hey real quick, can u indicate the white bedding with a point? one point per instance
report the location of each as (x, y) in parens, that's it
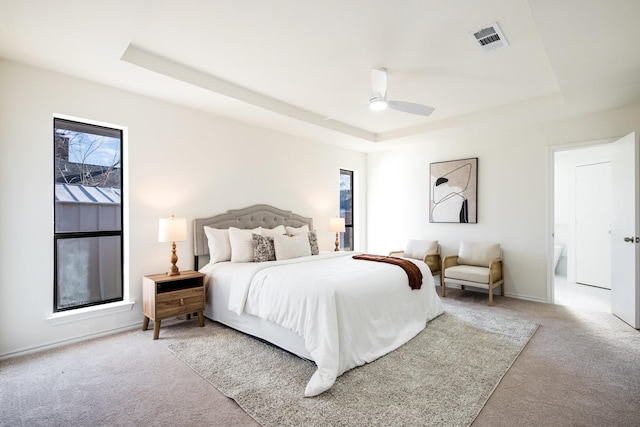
(348, 312)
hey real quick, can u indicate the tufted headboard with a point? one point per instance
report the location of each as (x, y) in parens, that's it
(251, 217)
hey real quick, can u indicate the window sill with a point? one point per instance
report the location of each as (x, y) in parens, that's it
(89, 312)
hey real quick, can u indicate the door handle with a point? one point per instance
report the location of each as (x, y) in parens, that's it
(632, 239)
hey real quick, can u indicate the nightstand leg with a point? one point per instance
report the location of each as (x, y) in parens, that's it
(200, 319)
(145, 323)
(156, 329)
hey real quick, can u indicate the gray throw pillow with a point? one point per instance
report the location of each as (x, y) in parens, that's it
(313, 242)
(264, 250)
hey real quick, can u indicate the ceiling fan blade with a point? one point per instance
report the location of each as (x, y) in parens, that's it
(410, 107)
(379, 82)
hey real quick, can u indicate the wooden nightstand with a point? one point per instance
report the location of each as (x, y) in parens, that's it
(166, 296)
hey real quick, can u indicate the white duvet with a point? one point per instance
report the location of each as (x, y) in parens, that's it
(348, 311)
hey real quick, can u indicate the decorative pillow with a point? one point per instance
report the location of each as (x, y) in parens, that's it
(293, 231)
(219, 245)
(263, 250)
(288, 247)
(313, 242)
(478, 254)
(273, 231)
(242, 244)
(419, 248)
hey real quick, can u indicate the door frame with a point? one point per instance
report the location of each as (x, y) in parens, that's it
(550, 227)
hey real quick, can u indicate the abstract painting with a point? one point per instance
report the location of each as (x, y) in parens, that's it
(454, 191)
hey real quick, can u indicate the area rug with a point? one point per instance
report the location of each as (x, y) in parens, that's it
(442, 377)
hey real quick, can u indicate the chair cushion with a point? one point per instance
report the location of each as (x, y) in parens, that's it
(477, 253)
(468, 273)
(419, 248)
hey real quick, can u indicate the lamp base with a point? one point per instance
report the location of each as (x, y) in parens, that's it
(173, 271)
(337, 243)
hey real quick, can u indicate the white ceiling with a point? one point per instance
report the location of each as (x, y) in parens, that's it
(289, 64)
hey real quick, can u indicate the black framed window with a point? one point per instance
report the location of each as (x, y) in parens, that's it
(346, 208)
(87, 238)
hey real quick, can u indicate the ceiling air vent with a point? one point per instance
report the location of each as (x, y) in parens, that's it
(490, 37)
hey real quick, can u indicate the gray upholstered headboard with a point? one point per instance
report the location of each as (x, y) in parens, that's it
(251, 217)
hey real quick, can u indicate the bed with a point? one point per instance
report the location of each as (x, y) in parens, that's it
(327, 307)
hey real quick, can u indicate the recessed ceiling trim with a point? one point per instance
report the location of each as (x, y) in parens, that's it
(507, 115)
(167, 67)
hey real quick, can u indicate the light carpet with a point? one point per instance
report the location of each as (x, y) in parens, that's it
(442, 377)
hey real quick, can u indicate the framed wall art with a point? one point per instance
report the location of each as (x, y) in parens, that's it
(453, 194)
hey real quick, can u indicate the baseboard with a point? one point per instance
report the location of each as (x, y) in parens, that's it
(497, 294)
(39, 348)
(526, 298)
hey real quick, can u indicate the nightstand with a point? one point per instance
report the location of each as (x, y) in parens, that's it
(166, 296)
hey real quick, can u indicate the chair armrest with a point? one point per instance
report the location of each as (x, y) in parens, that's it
(396, 253)
(433, 261)
(495, 269)
(449, 261)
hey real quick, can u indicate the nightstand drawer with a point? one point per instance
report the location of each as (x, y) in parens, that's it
(179, 302)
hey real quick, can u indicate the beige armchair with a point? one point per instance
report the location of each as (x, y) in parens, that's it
(478, 265)
(426, 250)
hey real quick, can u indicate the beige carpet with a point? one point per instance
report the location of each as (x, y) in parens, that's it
(444, 376)
(580, 368)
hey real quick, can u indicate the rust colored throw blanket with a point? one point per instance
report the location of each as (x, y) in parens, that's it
(413, 271)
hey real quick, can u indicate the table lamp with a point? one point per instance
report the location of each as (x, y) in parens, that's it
(336, 224)
(172, 230)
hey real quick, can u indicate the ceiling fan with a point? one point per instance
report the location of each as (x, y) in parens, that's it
(379, 100)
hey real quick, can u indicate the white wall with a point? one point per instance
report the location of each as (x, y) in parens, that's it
(194, 164)
(178, 161)
(512, 196)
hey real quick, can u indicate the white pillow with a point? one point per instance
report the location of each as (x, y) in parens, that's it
(419, 248)
(479, 254)
(242, 244)
(288, 247)
(273, 231)
(219, 246)
(293, 231)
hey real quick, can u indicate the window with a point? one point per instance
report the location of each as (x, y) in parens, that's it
(346, 209)
(88, 254)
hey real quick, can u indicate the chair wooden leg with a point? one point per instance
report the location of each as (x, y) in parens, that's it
(502, 290)
(490, 296)
(444, 293)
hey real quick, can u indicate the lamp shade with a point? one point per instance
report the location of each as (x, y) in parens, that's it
(336, 224)
(172, 229)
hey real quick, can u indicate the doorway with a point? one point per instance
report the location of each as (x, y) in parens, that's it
(582, 191)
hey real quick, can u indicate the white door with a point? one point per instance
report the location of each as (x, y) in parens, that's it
(593, 207)
(625, 231)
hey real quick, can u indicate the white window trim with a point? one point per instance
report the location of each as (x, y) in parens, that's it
(80, 314)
